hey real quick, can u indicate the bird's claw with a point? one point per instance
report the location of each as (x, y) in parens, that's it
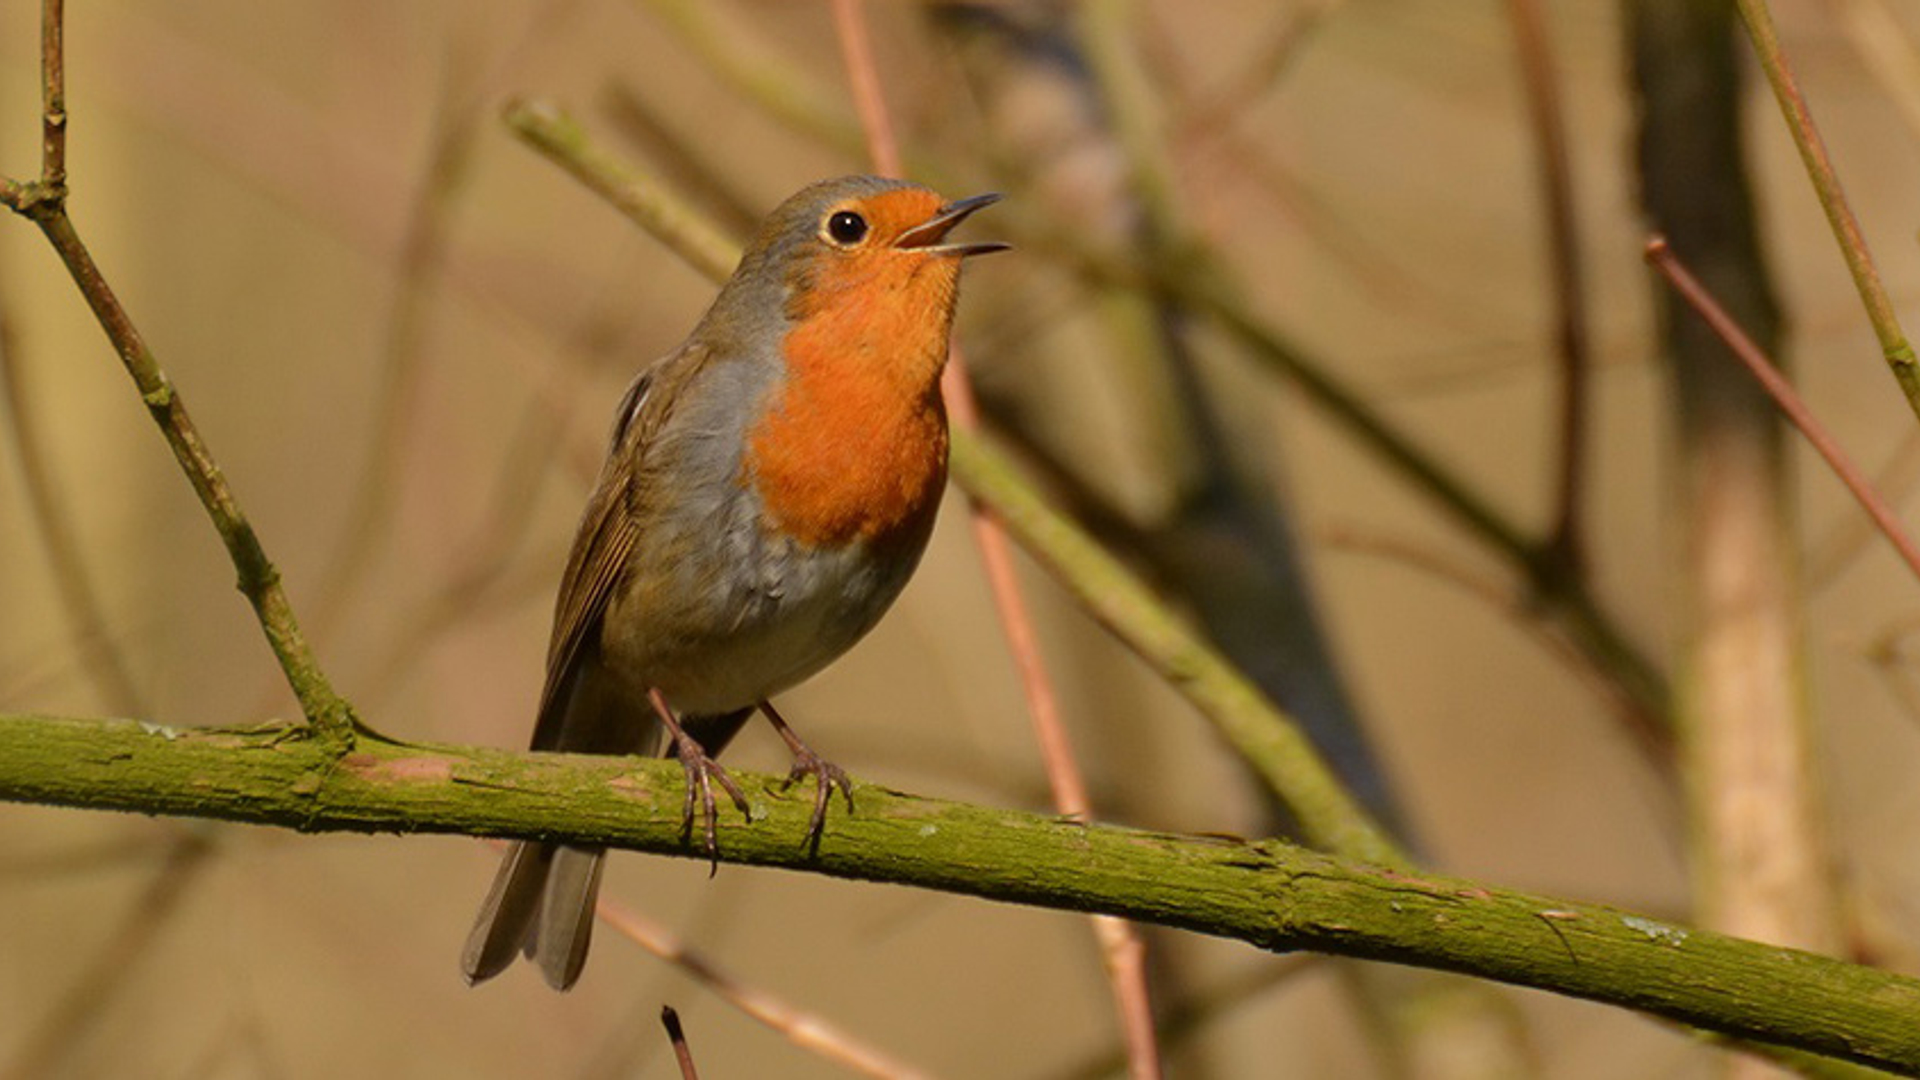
(702, 773)
(826, 776)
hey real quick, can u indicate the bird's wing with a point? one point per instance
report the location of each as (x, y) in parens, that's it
(608, 530)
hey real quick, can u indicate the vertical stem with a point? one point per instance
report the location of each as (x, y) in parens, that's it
(1758, 843)
(1564, 543)
(53, 94)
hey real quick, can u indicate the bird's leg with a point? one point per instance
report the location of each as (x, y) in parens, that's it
(826, 775)
(702, 773)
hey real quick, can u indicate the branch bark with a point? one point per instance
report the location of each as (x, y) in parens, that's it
(1269, 894)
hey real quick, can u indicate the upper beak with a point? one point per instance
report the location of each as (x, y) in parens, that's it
(927, 235)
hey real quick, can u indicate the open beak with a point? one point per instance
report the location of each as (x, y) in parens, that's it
(927, 235)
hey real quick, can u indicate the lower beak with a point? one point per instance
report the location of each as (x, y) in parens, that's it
(927, 235)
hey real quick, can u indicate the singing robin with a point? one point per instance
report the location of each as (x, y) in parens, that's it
(770, 487)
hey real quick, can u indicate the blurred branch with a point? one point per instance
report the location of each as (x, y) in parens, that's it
(1272, 744)
(94, 642)
(402, 363)
(1785, 396)
(1269, 894)
(45, 204)
(1833, 199)
(675, 224)
(1761, 858)
(1564, 543)
(1228, 545)
(84, 1002)
(789, 94)
(1518, 608)
(807, 1030)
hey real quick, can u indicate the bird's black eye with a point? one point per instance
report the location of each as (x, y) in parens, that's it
(846, 228)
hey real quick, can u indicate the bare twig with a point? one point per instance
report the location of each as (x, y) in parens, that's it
(804, 1029)
(1894, 346)
(682, 1053)
(53, 95)
(1784, 395)
(44, 203)
(1565, 540)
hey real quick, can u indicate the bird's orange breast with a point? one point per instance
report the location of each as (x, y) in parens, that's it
(853, 445)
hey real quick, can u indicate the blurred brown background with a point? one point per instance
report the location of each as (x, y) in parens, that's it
(250, 176)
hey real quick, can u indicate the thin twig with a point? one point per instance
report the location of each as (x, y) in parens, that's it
(807, 1030)
(45, 205)
(1776, 385)
(1565, 540)
(685, 233)
(53, 95)
(682, 1053)
(1833, 199)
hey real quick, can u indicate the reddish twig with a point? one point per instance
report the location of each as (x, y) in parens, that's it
(681, 1051)
(1122, 948)
(1784, 395)
(1894, 346)
(806, 1030)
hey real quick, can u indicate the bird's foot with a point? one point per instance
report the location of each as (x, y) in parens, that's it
(702, 774)
(826, 776)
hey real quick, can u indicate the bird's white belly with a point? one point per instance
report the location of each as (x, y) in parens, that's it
(776, 618)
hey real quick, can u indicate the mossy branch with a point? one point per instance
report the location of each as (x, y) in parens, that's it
(1269, 894)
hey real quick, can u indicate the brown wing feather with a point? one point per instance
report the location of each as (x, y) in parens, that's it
(607, 533)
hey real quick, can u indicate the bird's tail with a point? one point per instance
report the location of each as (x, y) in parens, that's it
(541, 903)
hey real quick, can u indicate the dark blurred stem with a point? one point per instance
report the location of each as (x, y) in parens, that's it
(1761, 862)
(1564, 544)
(682, 1053)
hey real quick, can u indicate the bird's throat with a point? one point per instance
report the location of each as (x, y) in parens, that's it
(854, 444)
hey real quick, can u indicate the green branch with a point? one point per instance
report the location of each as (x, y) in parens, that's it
(1268, 894)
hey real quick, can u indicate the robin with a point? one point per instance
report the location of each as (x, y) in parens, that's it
(770, 487)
